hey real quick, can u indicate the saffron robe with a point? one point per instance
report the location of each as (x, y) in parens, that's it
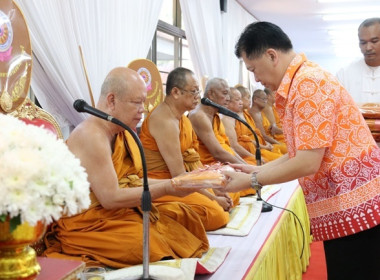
(276, 117)
(207, 158)
(247, 140)
(114, 238)
(278, 137)
(210, 212)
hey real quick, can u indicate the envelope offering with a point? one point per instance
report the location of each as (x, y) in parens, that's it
(208, 177)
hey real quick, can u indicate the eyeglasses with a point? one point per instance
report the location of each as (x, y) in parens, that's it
(262, 98)
(192, 92)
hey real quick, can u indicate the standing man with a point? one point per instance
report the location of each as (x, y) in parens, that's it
(331, 152)
(361, 78)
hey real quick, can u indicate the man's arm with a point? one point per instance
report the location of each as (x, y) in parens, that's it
(229, 125)
(259, 124)
(305, 163)
(203, 128)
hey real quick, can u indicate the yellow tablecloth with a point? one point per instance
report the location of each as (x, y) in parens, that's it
(272, 249)
(280, 256)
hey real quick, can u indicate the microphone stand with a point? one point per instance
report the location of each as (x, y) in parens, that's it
(146, 200)
(222, 110)
(266, 207)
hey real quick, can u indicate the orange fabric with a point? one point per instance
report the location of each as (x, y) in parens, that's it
(343, 196)
(276, 117)
(220, 134)
(247, 140)
(210, 212)
(114, 238)
(207, 158)
(156, 165)
(278, 137)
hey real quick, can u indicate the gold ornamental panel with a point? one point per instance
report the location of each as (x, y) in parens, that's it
(15, 57)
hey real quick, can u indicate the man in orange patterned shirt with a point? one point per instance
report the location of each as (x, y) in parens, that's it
(330, 150)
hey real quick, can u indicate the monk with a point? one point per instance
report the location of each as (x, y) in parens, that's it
(214, 145)
(240, 136)
(110, 232)
(271, 113)
(245, 96)
(259, 101)
(170, 147)
(236, 105)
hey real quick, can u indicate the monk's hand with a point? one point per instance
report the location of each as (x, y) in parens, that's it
(268, 147)
(246, 168)
(236, 181)
(225, 201)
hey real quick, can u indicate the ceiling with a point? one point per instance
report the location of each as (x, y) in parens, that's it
(312, 28)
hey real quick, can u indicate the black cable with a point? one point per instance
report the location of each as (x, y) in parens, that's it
(299, 221)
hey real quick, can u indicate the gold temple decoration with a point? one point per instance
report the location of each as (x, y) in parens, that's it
(6, 101)
(15, 57)
(152, 78)
(17, 259)
(30, 111)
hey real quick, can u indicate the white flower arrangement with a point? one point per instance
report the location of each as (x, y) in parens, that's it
(40, 179)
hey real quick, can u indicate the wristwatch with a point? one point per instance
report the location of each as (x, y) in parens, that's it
(254, 183)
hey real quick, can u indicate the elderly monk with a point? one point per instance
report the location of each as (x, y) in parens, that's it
(110, 232)
(213, 141)
(259, 101)
(271, 114)
(170, 146)
(240, 136)
(214, 145)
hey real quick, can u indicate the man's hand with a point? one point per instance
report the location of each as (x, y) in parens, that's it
(237, 181)
(246, 168)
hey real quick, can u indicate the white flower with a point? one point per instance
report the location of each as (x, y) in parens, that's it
(40, 179)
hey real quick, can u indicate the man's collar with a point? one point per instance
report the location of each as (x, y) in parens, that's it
(293, 67)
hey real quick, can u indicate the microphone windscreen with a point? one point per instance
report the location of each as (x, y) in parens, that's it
(204, 101)
(79, 105)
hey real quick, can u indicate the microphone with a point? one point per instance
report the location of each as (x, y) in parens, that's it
(223, 110)
(146, 201)
(81, 106)
(229, 113)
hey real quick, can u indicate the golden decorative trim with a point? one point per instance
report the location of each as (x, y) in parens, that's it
(28, 110)
(6, 101)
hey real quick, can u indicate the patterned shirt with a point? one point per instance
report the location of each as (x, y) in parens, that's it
(343, 196)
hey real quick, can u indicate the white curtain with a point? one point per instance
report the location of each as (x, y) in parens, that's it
(111, 33)
(203, 24)
(234, 21)
(212, 36)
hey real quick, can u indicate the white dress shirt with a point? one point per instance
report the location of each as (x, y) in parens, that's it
(361, 81)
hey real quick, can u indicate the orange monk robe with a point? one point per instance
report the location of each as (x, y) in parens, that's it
(276, 117)
(279, 137)
(114, 238)
(211, 213)
(207, 158)
(247, 140)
